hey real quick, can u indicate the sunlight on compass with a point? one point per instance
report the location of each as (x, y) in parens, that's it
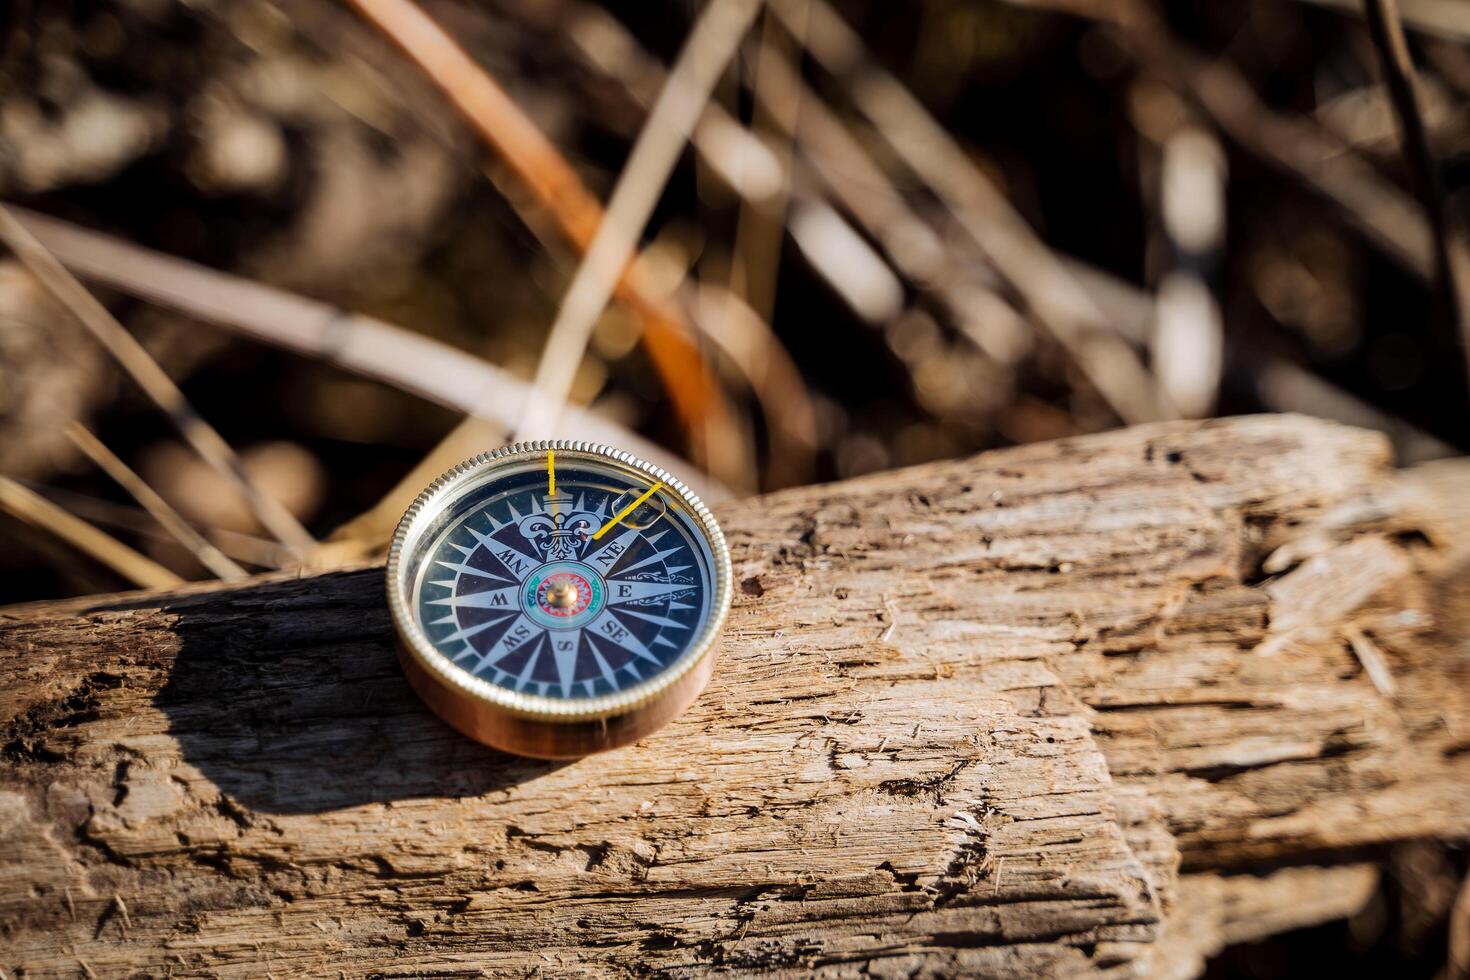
(566, 583)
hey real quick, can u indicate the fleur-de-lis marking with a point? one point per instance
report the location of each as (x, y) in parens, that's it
(559, 533)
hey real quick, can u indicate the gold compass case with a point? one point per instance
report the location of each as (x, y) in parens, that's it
(555, 599)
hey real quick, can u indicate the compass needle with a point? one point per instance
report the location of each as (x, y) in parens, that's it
(581, 618)
(622, 514)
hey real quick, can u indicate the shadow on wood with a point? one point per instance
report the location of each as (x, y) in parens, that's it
(290, 700)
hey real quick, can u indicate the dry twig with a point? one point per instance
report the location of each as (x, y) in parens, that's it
(763, 180)
(1385, 215)
(758, 230)
(360, 345)
(1450, 260)
(836, 160)
(548, 175)
(706, 53)
(207, 554)
(711, 45)
(159, 387)
(26, 505)
(775, 379)
(1446, 19)
(1053, 297)
(251, 550)
(831, 162)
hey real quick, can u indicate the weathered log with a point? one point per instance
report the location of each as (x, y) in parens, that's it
(971, 717)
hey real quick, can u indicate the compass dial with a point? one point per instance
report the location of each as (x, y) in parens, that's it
(558, 583)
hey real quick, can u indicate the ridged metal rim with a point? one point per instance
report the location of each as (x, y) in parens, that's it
(429, 503)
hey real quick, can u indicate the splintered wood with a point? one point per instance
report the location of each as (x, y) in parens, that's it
(1041, 711)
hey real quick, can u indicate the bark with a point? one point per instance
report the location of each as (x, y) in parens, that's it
(1100, 705)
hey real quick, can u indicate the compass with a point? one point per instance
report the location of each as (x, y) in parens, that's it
(555, 599)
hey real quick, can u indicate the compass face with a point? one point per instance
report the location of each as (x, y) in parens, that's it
(565, 575)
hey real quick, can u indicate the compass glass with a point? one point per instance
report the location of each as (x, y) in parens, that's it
(565, 577)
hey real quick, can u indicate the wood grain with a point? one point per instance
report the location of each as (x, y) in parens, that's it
(970, 718)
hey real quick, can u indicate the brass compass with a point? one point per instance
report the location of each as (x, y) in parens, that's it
(555, 599)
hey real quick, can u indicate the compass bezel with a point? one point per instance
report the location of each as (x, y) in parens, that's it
(426, 508)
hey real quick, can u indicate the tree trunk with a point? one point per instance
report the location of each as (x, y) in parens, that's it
(1104, 704)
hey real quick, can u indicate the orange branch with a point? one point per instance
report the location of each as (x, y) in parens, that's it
(556, 185)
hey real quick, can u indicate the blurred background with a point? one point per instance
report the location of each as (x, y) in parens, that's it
(322, 234)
